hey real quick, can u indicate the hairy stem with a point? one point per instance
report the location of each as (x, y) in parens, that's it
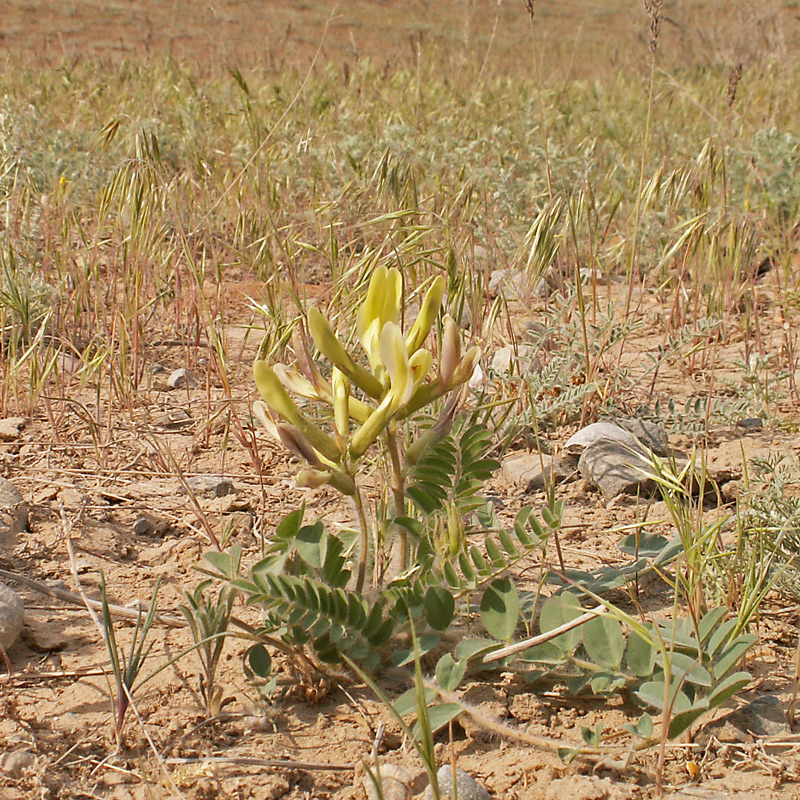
(364, 530)
(399, 492)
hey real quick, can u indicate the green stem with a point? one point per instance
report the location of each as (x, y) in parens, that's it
(362, 556)
(399, 492)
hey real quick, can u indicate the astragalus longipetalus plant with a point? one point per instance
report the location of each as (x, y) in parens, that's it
(369, 398)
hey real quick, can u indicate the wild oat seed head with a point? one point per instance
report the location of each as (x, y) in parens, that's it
(655, 10)
(734, 79)
(529, 5)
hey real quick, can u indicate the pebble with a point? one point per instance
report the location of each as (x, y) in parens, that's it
(11, 428)
(45, 495)
(43, 636)
(68, 722)
(508, 284)
(157, 369)
(395, 783)
(211, 485)
(525, 470)
(764, 716)
(13, 510)
(180, 379)
(172, 420)
(750, 424)
(615, 468)
(599, 431)
(11, 612)
(506, 360)
(14, 764)
(467, 788)
(142, 526)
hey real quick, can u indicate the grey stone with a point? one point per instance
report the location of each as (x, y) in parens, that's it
(142, 526)
(508, 284)
(395, 783)
(172, 420)
(14, 764)
(10, 428)
(467, 788)
(750, 424)
(599, 431)
(13, 510)
(211, 485)
(763, 716)
(506, 361)
(650, 434)
(180, 379)
(12, 610)
(616, 467)
(157, 369)
(480, 253)
(525, 469)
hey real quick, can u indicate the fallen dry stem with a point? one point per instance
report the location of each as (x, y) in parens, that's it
(525, 644)
(260, 762)
(81, 600)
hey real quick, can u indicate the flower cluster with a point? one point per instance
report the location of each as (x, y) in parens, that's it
(365, 401)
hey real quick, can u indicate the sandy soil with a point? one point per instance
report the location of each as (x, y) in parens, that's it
(55, 701)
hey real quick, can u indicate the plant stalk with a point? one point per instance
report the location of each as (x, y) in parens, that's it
(399, 493)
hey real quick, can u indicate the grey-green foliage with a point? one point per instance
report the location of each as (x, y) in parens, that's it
(769, 522)
(700, 661)
(26, 300)
(208, 618)
(301, 583)
(300, 587)
(776, 158)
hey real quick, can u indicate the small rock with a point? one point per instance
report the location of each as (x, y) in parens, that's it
(525, 469)
(598, 431)
(157, 369)
(11, 612)
(509, 360)
(83, 564)
(45, 495)
(750, 424)
(181, 379)
(258, 723)
(14, 764)
(10, 428)
(763, 716)
(395, 783)
(616, 468)
(211, 485)
(650, 434)
(13, 510)
(467, 788)
(72, 498)
(480, 253)
(587, 787)
(42, 636)
(157, 525)
(172, 420)
(508, 284)
(142, 526)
